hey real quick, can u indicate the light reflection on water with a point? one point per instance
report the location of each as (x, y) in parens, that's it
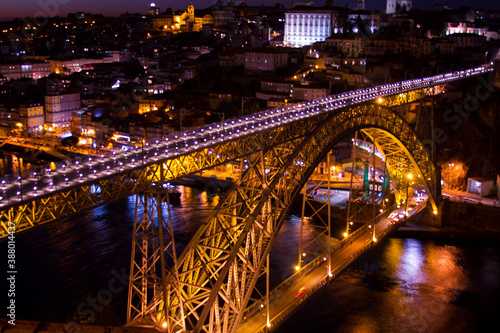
(409, 285)
(403, 285)
(64, 264)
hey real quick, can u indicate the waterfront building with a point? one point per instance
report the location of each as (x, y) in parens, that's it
(31, 117)
(59, 110)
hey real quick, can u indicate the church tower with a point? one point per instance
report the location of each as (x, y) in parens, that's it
(406, 3)
(394, 6)
(190, 12)
(361, 5)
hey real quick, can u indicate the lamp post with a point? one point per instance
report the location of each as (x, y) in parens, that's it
(409, 176)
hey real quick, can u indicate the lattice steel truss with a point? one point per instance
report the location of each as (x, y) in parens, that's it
(217, 272)
(60, 204)
(219, 268)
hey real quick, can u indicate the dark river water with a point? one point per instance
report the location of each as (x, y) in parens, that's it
(403, 285)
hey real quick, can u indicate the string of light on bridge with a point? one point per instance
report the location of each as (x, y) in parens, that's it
(74, 173)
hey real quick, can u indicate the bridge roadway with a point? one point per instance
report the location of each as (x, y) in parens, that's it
(285, 301)
(89, 170)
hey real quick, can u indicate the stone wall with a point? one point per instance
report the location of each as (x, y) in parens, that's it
(480, 220)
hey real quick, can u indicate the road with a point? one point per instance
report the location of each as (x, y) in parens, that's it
(77, 171)
(340, 257)
(467, 197)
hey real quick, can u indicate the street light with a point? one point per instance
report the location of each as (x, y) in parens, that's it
(409, 176)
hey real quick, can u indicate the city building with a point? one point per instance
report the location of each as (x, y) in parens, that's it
(479, 185)
(465, 27)
(68, 66)
(59, 110)
(229, 59)
(466, 41)
(185, 21)
(361, 5)
(350, 45)
(31, 117)
(153, 9)
(308, 92)
(223, 15)
(307, 25)
(442, 46)
(31, 70)
(265, 59)
(398, 6)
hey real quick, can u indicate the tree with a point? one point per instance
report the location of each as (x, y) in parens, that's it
(454, 175)
(70, 141)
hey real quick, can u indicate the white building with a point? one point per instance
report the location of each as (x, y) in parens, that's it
(479, 185)
(31, 70)
(465, 28)
(307, 26)
(394, 6)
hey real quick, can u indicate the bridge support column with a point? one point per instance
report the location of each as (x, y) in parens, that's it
(353, 168)
(316, 205)
(153, 247)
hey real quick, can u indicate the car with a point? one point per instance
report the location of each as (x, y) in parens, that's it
(300, 292)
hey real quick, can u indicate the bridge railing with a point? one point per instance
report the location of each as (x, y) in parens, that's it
(280, 317)
(257, 306)
(222, 130)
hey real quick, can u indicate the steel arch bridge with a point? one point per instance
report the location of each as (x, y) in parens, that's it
(208, 286)
(211, 283)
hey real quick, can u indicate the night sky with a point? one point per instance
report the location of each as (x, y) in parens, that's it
(22, 8)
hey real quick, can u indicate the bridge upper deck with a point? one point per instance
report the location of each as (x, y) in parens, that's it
(90, 171)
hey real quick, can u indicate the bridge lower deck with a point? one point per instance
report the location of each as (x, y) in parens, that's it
(285, 302)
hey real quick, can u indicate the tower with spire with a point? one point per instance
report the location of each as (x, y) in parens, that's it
(361, 5)
(394, 6)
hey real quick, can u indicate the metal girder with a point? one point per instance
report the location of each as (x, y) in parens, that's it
(102, 189)
(219, 268)
(212, 281)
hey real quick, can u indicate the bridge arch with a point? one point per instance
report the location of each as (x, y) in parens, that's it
(216, 274)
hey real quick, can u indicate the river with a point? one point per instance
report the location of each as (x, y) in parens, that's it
(403, 285)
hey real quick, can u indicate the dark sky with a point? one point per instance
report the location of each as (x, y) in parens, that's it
(22, 8)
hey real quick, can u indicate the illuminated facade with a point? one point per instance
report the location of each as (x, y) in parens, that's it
(30, 70)
(31, 117)
(465, 28)
(59, 110)
(153, 9)
(307, 26)
(183, 22)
